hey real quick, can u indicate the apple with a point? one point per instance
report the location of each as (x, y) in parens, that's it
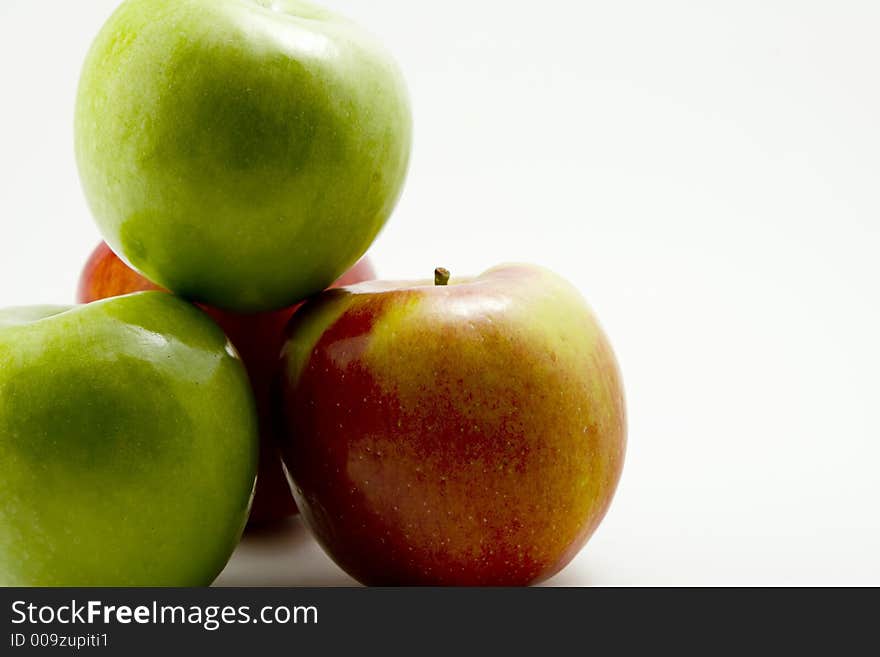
(241, 153)
(128, 438)
(258, 339)
(470, 432)
(105, 275)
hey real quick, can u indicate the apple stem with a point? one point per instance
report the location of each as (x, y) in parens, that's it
(441, 276)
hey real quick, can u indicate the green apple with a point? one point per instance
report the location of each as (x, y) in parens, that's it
(468, 433)
(242, 153)
(128, 438)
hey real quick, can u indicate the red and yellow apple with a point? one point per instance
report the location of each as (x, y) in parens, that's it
(469, 432)
(258, 339)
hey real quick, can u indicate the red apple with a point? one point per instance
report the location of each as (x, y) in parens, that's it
(470, 433)
(258, 339)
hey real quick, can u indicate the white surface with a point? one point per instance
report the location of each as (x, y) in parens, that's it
(706, 172)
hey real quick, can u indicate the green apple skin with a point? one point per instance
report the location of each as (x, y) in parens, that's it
(128, 438)
(241, 153)
(463, 434)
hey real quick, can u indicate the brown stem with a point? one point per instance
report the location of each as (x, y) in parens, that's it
(441, 276)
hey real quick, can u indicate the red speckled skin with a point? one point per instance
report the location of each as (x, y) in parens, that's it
(435, 437)
(258, 339)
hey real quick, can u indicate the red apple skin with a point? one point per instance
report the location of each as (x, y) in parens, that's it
(258, 339)
(470, 434)
(105, 276)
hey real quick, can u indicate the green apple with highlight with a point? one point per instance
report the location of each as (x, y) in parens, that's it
(128, 438)
(241, 153)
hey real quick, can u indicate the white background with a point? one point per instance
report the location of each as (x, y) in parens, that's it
(707, 174)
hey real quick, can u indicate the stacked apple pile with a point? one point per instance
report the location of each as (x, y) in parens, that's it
(240, 156)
